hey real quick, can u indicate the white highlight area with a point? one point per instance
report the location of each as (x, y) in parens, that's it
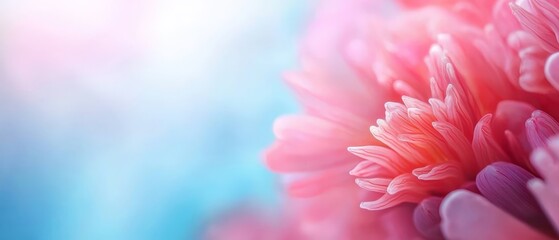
(123, 108)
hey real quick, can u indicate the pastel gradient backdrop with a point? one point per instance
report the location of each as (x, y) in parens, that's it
(139, 119)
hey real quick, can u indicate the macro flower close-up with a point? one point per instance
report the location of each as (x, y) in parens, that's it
(279, 119)
(443, 114)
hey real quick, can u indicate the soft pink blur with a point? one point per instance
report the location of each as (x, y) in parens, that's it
(43, 42)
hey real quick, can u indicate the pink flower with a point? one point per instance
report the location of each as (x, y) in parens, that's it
(469, 91)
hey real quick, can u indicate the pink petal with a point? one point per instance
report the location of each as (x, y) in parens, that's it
(532, 77)
(309, 143)
(391, 200)
(486, 149)
(540, 127)
(283, 157)
(510, 119)
(459, 144)
(312, 184)
(552, 70)
(369, 169)
(547, 164)
(398, 223)
(536, 26)
(505, 22)
(549, 11)
(373, 184)
(447, 171)
(382, 156)
(336, 102)
(548, 199)
(546, 161)
(406, 183)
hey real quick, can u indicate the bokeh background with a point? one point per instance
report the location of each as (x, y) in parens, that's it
(139, 119)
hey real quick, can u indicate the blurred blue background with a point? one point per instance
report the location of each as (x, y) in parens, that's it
(139, 119)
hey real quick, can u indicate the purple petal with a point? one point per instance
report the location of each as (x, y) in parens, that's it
(466, 215)
(427, 219)
(505, 185)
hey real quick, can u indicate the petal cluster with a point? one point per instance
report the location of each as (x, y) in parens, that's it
(442, 115)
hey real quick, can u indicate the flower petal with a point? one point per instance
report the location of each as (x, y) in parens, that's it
(546, 161)
(485, 147)
(504, 184)
(552, 70)
(427, 219)
(466, 215)
(540, 127)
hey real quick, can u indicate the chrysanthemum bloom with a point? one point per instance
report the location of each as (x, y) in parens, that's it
(469, 91)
